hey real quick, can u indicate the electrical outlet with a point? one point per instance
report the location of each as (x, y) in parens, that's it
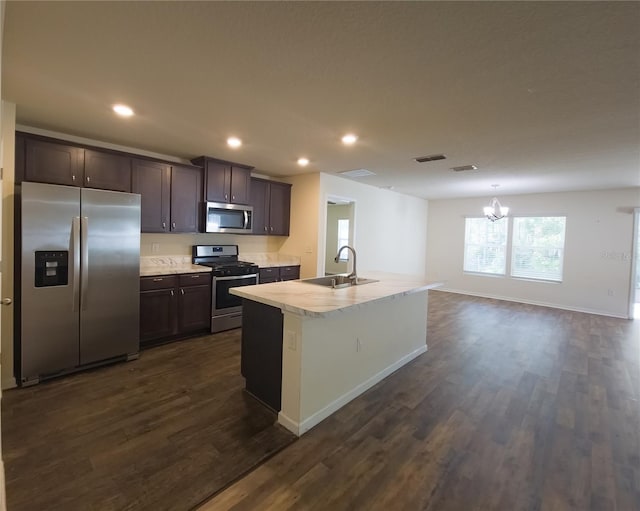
(291, 340)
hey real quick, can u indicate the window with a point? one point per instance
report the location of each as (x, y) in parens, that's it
(485, 246)
(533, 249)
(538, 247)
(343, 237)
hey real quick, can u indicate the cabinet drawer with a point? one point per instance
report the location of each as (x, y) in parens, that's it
(269, 273)
(289, 272)
(160, 282)
(195, 279)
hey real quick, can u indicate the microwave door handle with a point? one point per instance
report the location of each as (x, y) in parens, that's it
(246, 219)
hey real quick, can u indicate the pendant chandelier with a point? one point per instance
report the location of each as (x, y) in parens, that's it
(495, 211)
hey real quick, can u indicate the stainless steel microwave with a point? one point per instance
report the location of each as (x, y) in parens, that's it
(230, 218)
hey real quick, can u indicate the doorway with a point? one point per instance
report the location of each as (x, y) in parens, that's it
(634, 299)
(339, 232)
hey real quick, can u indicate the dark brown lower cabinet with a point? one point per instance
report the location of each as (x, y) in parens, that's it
(261, 359)
(174, 307)
(194, 304)
(278, 273)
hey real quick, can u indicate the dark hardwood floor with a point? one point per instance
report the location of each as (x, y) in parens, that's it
(163, 432)
(514, 407)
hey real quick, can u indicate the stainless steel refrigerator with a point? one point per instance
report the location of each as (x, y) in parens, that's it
(79, 279)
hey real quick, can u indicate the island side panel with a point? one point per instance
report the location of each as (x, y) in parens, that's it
(261, 357)
(341, 356)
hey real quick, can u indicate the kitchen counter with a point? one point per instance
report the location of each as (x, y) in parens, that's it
(300, 297)
(270, 259)
(169, 265)
(307, 350)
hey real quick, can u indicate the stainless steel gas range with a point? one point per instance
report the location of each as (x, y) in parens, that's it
(227, 272)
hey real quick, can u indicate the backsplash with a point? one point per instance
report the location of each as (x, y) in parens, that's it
(180, 244)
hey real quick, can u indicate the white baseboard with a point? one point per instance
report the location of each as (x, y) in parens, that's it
(533, 302)
(299, 428)
(288, 423)
(8, 383)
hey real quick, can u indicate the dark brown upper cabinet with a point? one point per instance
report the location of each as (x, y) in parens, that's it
(62, 164)
(225, 182)
(152, 180)
(58, 164)
(170, 196)
(271, 203)
(107, 171)
(186, 197)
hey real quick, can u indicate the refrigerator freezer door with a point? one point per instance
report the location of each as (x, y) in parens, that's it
(110, 287)
(49, 325)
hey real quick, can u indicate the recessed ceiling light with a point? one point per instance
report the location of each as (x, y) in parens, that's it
(123, 110)
(349, 139)
(234, 142)
(303, 162)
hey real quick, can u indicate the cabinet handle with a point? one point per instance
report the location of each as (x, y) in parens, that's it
(181, 291)
(73, 177)
(195, 276)
(233, 197)
(88, 179)
(164, 225)
(173, 225)
(158, 280)
(271, 228)
(172, 292)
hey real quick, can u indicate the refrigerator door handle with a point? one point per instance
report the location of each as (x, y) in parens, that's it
(84, 263)
(75, 244)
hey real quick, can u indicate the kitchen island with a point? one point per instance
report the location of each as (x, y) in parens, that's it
(307, 350)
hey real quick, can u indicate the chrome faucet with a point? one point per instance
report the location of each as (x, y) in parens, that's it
(353, 274)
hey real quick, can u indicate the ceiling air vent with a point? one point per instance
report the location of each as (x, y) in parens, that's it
(357, 173)
(462, 168)
(431, 157)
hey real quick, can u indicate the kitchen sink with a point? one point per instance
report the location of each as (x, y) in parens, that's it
(338, 281)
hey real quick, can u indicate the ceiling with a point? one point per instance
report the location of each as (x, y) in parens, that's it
(541, 96)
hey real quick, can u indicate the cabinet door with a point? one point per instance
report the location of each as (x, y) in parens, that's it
(152, 181)
(58, 164)
(158, 314)
(289, 272)
(218, 182)
(279, 208)
(270, 274)
(186, 193)
(107, 171)
(240, 185)
(194, 309)
(260, 202)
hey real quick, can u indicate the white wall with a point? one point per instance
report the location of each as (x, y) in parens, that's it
(390, 228)
(597, 263)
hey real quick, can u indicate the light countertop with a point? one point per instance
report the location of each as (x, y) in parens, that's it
(169, 265)
(270, 259)
(312, 300)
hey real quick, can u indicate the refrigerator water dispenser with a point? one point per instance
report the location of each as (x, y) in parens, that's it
(51, 268)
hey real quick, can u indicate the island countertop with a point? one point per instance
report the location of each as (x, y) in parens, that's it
(300, 297)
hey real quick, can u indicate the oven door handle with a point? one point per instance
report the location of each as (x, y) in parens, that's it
(251, 276)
